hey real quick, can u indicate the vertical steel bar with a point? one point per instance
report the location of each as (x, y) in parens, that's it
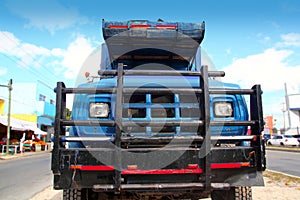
(256, 113)
(205, 114)
(119, 110)
(60, 114)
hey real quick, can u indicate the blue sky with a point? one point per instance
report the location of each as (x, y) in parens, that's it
(254, 41)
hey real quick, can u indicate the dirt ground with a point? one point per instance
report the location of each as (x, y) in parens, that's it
(277, 186)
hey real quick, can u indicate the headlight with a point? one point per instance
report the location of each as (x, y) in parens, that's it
(223, 109)
(99, 110)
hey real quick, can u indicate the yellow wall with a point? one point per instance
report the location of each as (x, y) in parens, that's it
(26, 117)
(1, 107)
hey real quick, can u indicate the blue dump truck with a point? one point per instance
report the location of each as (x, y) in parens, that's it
(156, 123)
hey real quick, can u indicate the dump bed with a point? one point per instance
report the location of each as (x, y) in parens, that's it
(161, 42)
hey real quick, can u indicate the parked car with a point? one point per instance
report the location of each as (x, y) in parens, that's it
(298, 137)
(283, 140)
(266, 137)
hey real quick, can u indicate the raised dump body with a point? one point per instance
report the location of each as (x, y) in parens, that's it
(156, 124)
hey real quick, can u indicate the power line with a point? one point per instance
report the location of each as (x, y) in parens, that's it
(20, 61)
(18, 102)
(45, 84)
(33, 59)
(26, 52)
(34, 72)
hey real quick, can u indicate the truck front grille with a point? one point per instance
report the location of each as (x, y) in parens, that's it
(161, 107)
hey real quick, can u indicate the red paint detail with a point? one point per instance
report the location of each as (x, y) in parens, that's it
(226, 165)
(162, 171)
(140, 26)
(117, 26)
(254, 138)
(166, 26)
(249, 131)
(193, 166)
(93, 167)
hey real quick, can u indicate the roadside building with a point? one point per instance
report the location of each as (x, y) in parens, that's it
(292, 109)
(30, 102)
(269, 125)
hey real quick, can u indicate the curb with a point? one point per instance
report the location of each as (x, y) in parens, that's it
(48, 193)
(288, 149)
(283, 174)
(23, 155)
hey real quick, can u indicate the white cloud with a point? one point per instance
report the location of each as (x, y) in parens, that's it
(34, 50)
(57, 52)
(266, 38)
(228, 51)
(262, 38)
(26, 54)
(8, 41)
(3, 71)
(271, 70)
(268, 69)
(67, 61)
(290, 39)
(75, 55)
(11, 45)
(50, 15)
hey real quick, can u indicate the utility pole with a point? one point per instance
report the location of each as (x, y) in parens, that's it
(9, 86)
(283, 111)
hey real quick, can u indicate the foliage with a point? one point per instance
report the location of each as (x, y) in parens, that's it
(69, 114)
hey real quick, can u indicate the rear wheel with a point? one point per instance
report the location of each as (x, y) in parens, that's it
(83, 194)
(72, 194)
(234, 193)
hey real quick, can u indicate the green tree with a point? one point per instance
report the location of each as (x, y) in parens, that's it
(68, 114)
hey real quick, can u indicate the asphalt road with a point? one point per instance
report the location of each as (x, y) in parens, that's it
(283, 161)
(22, 178)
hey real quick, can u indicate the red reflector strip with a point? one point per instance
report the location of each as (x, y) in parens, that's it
(190, 170)
(140, 26)
(229, 165)
(166, 26)
(117, 26)
(163, 171)
(193, 166)
(92, 167)
(75, 167)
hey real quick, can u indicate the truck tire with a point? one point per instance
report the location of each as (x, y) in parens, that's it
(72, 194)
(235, 193)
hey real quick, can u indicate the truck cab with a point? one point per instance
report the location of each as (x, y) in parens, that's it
(157, 123)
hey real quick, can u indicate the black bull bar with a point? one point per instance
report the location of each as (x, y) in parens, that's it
(256, 150)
